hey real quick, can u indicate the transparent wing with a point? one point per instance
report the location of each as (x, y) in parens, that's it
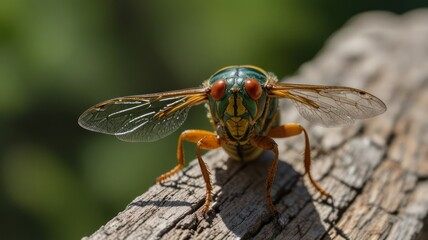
(329, 105)
(142, 118)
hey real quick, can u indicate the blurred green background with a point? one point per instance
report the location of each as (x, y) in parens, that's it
(57, 58)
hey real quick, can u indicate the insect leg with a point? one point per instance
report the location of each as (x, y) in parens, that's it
(188, 135)
(267, 143)
(293, 129)
(208, 142)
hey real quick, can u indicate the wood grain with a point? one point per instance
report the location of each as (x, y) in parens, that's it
(376, 170)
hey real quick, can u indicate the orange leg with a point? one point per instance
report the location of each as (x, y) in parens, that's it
(208, 142)
(188, 135)
(205, 140)
(293, 129)
(267, 143)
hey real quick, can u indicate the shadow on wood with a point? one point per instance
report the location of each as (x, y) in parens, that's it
(240, 205)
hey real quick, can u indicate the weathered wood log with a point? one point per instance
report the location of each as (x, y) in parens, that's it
(376, 170)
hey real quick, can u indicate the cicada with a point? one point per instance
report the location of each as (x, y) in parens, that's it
(243, 110)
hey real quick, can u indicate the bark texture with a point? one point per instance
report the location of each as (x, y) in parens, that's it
(376, 170)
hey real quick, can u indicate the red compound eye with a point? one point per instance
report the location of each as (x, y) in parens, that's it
(253, 88)
(217, 89)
